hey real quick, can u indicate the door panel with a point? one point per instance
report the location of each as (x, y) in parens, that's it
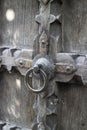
(63, 106)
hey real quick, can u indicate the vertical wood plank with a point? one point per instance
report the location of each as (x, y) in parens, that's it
(16, 102)
(21, 31)
(74, 26)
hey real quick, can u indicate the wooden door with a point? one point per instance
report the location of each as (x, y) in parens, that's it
(23, 24)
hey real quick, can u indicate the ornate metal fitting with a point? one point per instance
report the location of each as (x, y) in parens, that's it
(21, 59)
(45, 69)
(43, 42)
(41, 74)
(47, 66)
(23, 63)
(65, 68)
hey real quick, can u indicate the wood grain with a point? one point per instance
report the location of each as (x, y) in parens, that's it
(74, 29)
(21, 31)
(16, 102)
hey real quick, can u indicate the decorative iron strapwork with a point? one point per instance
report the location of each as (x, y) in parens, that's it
(43, 68)
(64, 66)
(46, 71)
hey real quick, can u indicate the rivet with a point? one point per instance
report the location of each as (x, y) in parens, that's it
(21, 63)
(68, 69)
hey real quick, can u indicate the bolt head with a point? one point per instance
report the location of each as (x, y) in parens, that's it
(68, 69)
(36, 69)
(21, 63)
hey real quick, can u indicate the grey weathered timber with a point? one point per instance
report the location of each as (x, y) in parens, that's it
(43, 49)
(15, 101)
(74, 26)
(21, 31)
(73, 102)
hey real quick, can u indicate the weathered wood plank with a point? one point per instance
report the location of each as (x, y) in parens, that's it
(72, 107)
(74, 26)
(72, 111)
(21, 31)
(16, 102)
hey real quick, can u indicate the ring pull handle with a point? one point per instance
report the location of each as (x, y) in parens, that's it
(41, 73)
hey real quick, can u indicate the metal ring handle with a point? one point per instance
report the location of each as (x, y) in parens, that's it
(27, 81)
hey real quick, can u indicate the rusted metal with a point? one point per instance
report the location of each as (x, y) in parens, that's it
(65, 68)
